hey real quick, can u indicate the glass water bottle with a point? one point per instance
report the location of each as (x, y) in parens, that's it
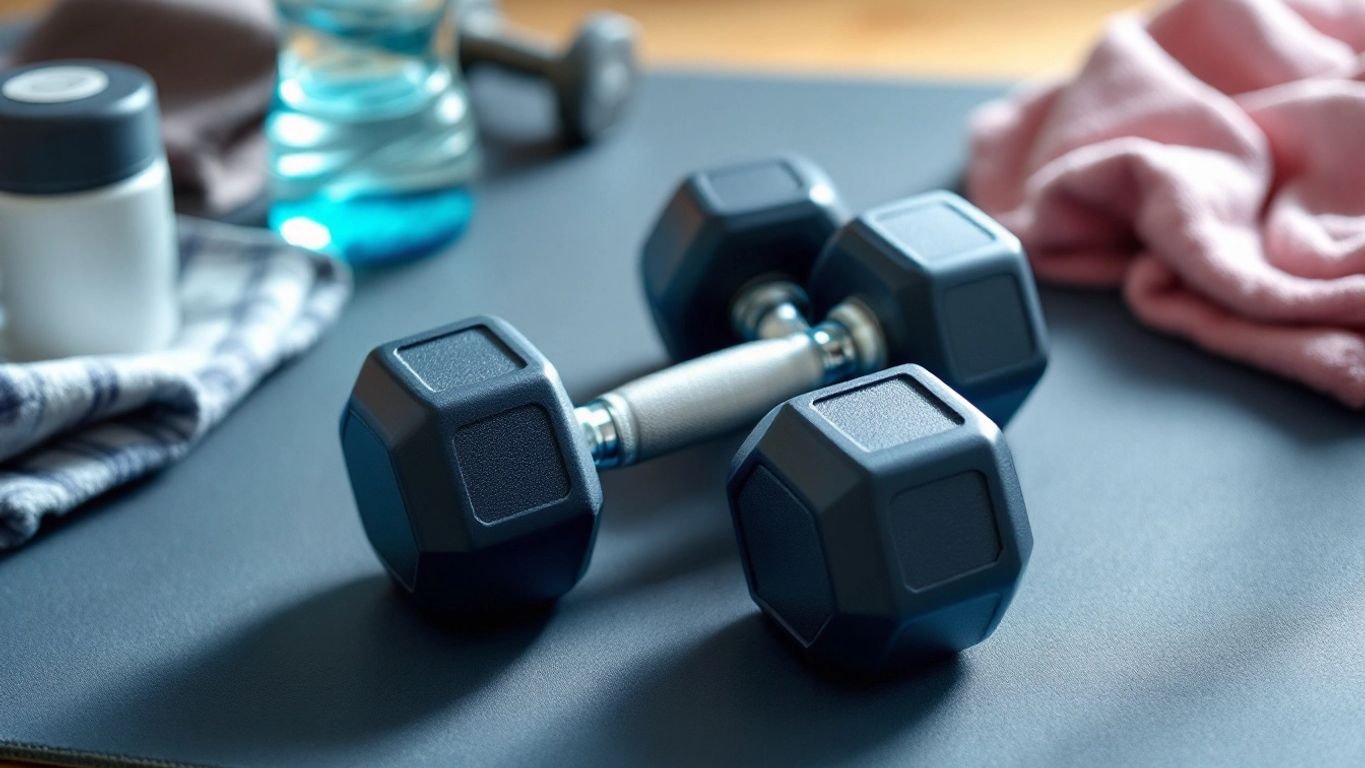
(372, 147)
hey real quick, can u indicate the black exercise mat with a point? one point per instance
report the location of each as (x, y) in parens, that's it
(1195, 594)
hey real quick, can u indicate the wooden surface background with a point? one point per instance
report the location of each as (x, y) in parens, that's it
(953, 38)
(956, 38)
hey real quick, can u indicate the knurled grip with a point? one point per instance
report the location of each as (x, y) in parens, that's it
(711, 395)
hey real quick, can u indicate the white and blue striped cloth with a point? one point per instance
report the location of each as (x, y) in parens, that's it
(72, 429)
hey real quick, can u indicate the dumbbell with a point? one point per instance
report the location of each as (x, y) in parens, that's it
(474, 475)
(765, 238)
(880, 522)
(594, 78)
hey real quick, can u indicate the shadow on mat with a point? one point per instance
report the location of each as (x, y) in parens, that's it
(1095, 324)
(739, 697)
(344, 665)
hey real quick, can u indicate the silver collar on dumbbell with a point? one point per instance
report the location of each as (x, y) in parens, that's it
(850, 338)
(770, 308)
(599, 423)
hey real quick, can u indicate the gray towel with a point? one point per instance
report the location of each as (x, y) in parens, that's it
(72, 429)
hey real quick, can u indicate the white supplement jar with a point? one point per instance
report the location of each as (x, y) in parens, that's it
(88, 253)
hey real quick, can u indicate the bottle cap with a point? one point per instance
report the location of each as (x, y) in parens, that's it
(76, 124)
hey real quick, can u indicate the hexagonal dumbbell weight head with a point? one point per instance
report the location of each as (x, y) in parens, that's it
(596, 78)
(724, 228)
(472, 482)
(960, 284)
(880, 522)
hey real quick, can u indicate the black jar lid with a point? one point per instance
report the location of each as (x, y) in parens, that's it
(75, 124)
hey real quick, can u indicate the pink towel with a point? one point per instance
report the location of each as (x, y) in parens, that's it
(1211, 162)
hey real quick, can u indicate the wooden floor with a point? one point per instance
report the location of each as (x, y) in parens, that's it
(962, 38)
(973, 38)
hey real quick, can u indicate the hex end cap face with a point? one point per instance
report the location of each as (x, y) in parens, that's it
(783, 555)
(379, 499)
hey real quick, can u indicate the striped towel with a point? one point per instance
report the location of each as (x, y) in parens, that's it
(72, 429)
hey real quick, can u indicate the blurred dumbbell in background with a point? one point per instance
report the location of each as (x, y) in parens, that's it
(593, 78)
(474, 474)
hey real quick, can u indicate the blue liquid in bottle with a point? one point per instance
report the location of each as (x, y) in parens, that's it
(371, 141)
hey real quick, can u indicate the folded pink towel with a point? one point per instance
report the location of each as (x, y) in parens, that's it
(1212, 163)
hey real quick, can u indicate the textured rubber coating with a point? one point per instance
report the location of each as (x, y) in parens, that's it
(721, 230)
(472, 480)
(511, 463)
(953, 292)
(944, 529)
(887, 413)
(376, 490)
(481, 357)
(921, 539)
(785, 554)
(932, 232)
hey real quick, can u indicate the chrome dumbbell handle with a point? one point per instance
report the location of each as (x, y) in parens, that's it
(725, 390)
